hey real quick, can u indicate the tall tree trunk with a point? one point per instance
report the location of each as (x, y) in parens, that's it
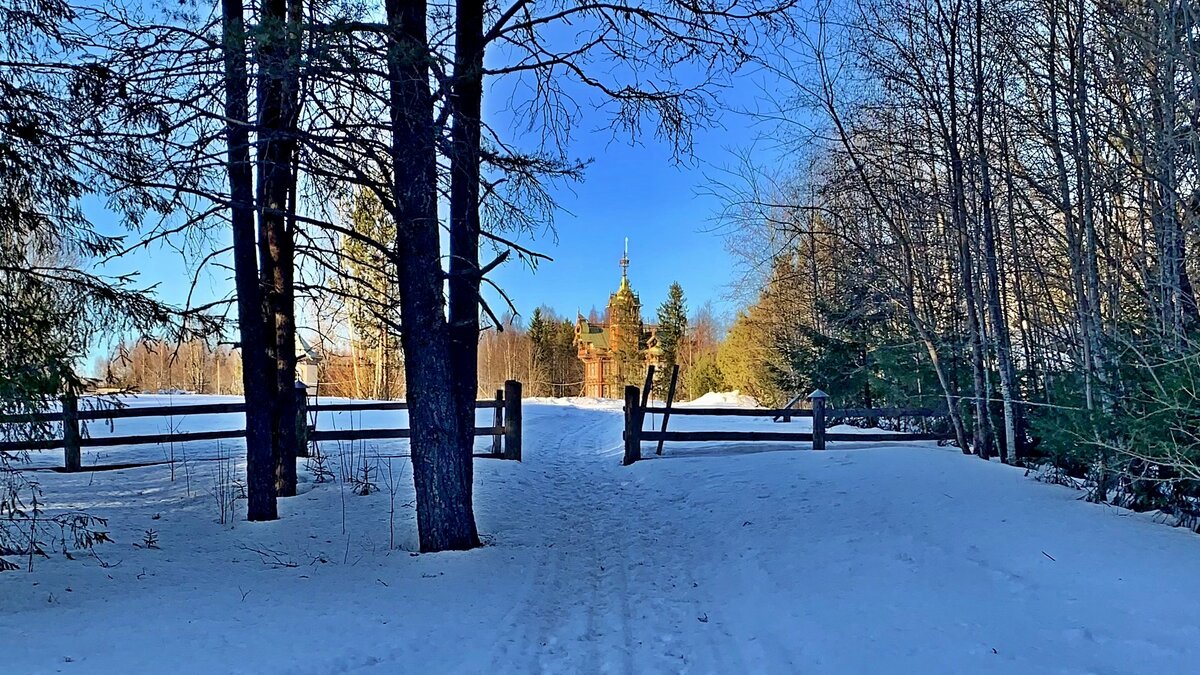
(1008, 453)
(466, 101)
(257, 376)
(278, 54)
(1067, 209)
(981, 430)
(442, 470)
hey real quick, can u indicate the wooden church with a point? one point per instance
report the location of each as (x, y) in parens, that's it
(616, 351)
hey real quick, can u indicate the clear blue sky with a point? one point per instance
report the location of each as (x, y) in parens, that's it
(631, 189)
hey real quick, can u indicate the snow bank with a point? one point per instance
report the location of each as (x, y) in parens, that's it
(725, 399)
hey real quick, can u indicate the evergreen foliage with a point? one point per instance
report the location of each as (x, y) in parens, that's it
(371, 291)
(744, 358)
(672, 333)
(53, 156)
(702, 376)
(558, 370)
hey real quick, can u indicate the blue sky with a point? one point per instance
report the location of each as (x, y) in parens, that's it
(633, 191)
(632, 188)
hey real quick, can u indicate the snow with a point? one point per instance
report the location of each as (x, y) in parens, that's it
(868, 557)
(728, 399)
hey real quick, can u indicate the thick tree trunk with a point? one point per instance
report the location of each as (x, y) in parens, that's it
(257, 372)
(442, 472)
(466, 101)
(278, 47)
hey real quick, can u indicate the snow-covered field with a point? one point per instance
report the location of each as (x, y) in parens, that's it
(865, 558)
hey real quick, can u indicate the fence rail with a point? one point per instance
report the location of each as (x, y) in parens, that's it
(505, 430)
(636, 409)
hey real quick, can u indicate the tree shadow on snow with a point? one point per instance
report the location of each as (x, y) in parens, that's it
(727, 449)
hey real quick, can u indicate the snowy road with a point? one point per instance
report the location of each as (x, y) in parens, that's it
(861, 559)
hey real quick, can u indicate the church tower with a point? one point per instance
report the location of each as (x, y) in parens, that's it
(616, 352)
(625, 312)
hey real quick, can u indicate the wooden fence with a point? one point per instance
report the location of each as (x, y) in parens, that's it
(637, 406)
(505, 429)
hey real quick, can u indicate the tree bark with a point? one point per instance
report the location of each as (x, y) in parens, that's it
(466, 100)
(277, 48)
(442, 472)
(257, 376)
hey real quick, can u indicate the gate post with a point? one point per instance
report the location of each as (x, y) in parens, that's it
(512, 420)
(72, 460)
(498, 422)
(633, 426)
(818, 399)
(301, 419)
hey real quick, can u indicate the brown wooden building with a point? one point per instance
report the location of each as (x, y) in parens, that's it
(604, 346)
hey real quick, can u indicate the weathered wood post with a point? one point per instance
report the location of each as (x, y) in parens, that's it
(73, 460)
(818, 398)
(633, 426)
(649, 386)
(301, 420)
(667, 409)
(498, 423)
(512, 420)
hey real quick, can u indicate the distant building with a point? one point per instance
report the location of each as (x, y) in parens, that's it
(616, 351)
(308, 362)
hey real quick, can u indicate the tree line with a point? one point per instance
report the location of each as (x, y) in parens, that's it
(541, 353)
(997, 209)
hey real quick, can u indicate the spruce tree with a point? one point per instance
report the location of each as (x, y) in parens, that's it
(540, 337)
(672, 331)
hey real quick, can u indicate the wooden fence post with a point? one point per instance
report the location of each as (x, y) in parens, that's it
(633, 426)
(301, 420)
(73, 460)
(498, 422)
(512, 420)
(667, 409)
(818, 399)
(649, 385)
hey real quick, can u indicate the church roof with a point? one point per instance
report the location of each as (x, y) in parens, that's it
(593, 334)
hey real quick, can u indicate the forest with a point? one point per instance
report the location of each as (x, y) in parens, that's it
(992, 205)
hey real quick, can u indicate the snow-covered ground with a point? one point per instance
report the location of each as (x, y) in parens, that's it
(865, 558)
